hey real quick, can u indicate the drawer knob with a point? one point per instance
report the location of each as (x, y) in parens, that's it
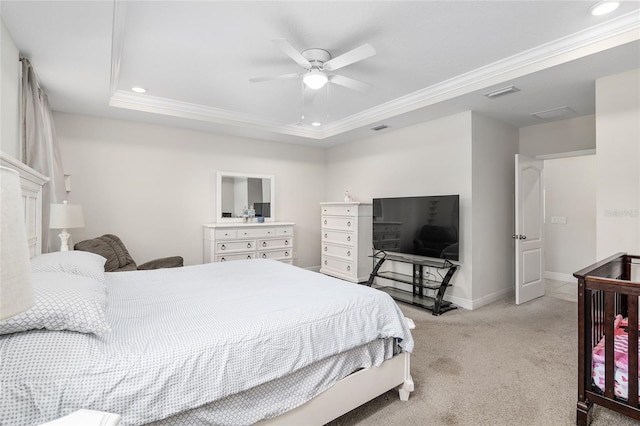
(286, 253)
(264, 255)
(325, 235)
(325, 248)
(325, 221)
(264, 244)
(222, 259)
(348, 268)
(349, 253)
(249, 257)
(349, 238)
(325, 262)
(349, 223)
(248, 245)
(286, 242)
(222, 247)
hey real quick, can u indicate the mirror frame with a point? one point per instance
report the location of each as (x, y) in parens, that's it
(220, 175)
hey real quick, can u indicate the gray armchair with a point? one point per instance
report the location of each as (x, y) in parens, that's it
(118, 258)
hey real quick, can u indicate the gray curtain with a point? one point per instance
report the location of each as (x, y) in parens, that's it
(40, 148)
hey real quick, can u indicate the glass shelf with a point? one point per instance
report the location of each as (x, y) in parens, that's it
(408, 279)
(432, 263)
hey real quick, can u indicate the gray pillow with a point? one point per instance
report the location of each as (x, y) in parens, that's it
(74, 262)
(62, 302)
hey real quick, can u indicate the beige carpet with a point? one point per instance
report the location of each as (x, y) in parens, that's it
(502, 364)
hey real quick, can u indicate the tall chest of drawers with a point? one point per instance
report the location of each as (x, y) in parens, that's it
(346, 240)
(235, 241)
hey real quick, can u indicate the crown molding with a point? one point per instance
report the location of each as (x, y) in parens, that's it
(606, 35)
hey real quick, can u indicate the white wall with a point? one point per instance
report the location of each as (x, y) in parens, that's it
(570, 192)
(9, 95)
(574, 134)
(618, 160)
(432, 158)
(155, 186)
(493, 183)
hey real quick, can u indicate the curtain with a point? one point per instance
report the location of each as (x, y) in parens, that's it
(40, 148)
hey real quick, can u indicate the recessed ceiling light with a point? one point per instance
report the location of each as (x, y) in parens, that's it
(315, 124)
(138, 89)
(604, 7)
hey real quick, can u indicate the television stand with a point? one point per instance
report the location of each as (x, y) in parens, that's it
(427, 277)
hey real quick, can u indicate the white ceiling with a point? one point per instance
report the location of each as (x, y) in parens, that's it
(434, 58)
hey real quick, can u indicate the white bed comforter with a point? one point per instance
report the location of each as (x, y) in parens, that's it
(188, 336)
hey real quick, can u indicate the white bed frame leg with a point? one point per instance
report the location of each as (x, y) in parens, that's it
(405, 389)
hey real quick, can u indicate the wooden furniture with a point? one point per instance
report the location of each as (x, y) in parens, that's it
(235, 241)
(346, 240)
(607, 289)
(429, 276)
(31, 183)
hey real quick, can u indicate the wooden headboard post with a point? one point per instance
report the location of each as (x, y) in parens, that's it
(31, 183)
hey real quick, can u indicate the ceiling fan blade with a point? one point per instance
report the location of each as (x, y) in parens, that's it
(287, 48)
(350, 83)
(275, 77)
(355, 55)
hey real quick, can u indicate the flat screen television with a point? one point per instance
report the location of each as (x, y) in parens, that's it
(426, 226)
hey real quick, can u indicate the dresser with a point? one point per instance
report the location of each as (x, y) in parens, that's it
(236, 241)
(346, 240)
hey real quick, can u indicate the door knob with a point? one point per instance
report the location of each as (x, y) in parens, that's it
(519, 237)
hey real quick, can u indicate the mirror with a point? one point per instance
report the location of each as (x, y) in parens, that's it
(238, 191)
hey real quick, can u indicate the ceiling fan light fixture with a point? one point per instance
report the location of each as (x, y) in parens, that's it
(315, 79)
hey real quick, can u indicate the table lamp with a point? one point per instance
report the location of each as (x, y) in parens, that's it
(16, 294)
(65, 216)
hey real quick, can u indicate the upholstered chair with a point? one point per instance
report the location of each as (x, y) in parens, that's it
(118, 258)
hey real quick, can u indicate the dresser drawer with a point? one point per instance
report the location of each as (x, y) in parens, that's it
(223, 234)
(342, 267)
(338, 237)
(339, 210)
(275, 254)
(339, 251)
(237, 256)
(231, 246)
(256, 232)
(339, 222)
(274, 243)
(284, 231)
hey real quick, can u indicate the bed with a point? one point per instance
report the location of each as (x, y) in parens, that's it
(227, 343)
(608, 293)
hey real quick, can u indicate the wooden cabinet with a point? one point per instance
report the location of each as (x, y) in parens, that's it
(235, 241)
(346, 240)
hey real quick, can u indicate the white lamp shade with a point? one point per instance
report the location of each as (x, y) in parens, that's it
(65, 216)
(315, 79)
(16, 294)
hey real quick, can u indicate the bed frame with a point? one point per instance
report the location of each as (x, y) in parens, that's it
(347, 394)
(606, 289)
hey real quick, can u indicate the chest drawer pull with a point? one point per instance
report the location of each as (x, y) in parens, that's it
(348, 268)
(264, 244)
(325, 235)
(264, 255)
(222, 259)
(349, 238)
(349, 223)
(325, 221)
(286, 253)
(325, 248)
(286, 242)
(222, 247)
(349, 253)
(249, 256)
(248, 245)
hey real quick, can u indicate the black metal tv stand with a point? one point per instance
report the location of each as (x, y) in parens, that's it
(427, 276)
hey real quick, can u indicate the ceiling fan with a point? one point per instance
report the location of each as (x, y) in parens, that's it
(319, 66)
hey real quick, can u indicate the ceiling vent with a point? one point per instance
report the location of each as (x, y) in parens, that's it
(501, 92)
(553, 113)
(380, 127)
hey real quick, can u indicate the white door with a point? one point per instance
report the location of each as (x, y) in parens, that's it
(529, 232)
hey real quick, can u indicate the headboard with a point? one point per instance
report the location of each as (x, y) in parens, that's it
(31, 182)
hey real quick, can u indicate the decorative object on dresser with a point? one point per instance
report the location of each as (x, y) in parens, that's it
(236, 241)
(65, 216)
(118, 258)
(346, 240)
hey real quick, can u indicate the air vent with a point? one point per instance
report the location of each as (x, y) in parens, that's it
(501, 92)
(553, 113)
(380, 127)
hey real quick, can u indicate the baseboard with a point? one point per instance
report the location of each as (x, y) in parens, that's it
(559, 276)
(482, 301)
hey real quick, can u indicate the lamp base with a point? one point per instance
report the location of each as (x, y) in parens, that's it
(64, 239)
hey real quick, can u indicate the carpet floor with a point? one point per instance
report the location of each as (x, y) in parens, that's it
(502, 364)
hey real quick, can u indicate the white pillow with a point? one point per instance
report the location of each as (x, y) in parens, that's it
(62, 302)
(75, 262)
